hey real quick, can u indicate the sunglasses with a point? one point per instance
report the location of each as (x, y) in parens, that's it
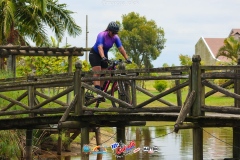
(114, 32)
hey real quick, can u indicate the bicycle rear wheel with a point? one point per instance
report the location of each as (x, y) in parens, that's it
(122, 91)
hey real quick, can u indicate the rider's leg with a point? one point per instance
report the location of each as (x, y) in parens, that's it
(97, 84)
(102, 82)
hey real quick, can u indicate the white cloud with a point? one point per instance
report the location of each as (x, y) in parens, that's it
(184, 22)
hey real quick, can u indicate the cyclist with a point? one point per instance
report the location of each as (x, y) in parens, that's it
(98, 55)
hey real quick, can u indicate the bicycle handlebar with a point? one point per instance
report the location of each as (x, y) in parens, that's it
(113, 63)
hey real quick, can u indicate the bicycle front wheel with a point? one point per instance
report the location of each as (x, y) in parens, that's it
(122, 91)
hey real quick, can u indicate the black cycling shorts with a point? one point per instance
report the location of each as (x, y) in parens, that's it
(95, 60)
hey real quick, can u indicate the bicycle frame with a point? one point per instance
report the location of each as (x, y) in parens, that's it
(115, 85)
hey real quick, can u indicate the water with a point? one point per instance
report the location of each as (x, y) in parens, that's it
(173, 146)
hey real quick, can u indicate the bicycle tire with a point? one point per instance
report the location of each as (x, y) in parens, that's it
(118, 90)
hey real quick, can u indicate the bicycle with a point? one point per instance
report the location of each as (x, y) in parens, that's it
(119, 89)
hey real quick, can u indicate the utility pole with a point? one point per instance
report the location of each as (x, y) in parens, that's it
(86, 58)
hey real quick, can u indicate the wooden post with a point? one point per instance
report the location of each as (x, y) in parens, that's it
(121, 129)
(11, 65)
(121, 134)
(59, 143)
(29, 136)
(79, 106)
(134, 94)
(98, 136)
(121, 97)
(84, 141)
(77, 88)
(236, 130)
(29, 132)
(67, 133)
(179, 94)
(121, 137)
(196, 108)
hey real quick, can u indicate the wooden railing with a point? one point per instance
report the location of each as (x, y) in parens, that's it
(195, 78)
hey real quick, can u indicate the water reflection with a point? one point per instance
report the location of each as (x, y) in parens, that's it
(217, 144)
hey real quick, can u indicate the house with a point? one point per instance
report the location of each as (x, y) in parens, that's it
(208, 48)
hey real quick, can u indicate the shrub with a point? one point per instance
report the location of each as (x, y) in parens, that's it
(160, 85)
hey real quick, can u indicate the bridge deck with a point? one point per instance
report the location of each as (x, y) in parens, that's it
(209, 120)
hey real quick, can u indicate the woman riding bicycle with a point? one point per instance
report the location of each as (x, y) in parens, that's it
(98, 55)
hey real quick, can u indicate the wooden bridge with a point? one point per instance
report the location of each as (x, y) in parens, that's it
(32, 108)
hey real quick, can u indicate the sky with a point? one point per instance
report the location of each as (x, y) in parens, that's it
(183, 21)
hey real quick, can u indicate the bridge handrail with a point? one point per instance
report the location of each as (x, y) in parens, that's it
(207, 68)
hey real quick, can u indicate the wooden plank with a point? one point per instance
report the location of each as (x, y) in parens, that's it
(221, 68)
(172, 109)
(220, 75)
(35, 111)
(35, 83)
(125, 78)
(221, 109)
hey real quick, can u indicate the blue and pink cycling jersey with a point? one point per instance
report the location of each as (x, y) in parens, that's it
(107, 42)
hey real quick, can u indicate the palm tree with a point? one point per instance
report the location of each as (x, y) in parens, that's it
(229, 49)
(28, 19)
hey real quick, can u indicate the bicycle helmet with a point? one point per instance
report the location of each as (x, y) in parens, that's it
(113, 26)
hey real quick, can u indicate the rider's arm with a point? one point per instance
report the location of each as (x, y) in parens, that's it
(123, 52)
(100, 50)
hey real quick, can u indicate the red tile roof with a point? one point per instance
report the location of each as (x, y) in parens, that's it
(233, 32)
(214, 45)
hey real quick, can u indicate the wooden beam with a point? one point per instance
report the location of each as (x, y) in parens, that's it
(220, 89)
(185, 110)
(53, 98)
(14, 101)
(221, 109)
(18, 99)
(68, 110)
(35, 111)
(151, 95)
(220, 75)
(162, 94)
(47, 97)
(224, 85)
(172, 109)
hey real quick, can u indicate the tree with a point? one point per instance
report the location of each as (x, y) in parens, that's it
(142, 39)
(165, 65)
(229, 49)
(28, 19)
(185, 60)
(22, 20)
